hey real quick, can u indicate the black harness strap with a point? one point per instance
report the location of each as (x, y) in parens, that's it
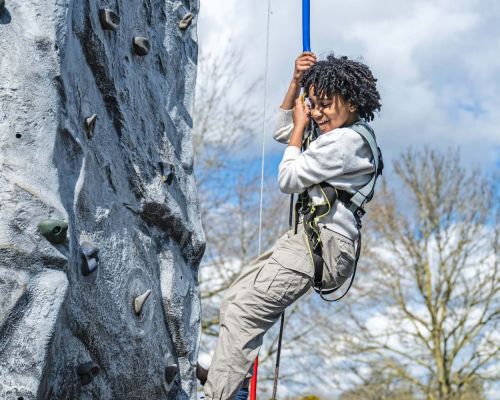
(352, 201)
(311, 217)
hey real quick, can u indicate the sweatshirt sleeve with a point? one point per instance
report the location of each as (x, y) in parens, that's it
(284, 126)
(324, 159)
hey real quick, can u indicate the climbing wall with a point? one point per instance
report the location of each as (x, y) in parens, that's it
(100, 235)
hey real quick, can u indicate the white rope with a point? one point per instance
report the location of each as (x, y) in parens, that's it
(264, 126)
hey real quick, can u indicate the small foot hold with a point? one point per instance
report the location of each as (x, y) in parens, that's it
(171, 372)
(90, 125)
(140, 300)
(87, 372)
(90, 261)
(109, 19)
(167, 172)
(141, 46)
(53, 230)
(186, 21)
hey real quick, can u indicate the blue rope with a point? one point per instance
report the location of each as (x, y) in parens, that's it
(306, 37)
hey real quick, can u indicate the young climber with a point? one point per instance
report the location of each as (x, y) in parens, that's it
(341, 92)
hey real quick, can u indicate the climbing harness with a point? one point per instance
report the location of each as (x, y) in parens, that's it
(313, 213)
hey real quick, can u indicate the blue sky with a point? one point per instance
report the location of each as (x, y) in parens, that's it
(437, 63)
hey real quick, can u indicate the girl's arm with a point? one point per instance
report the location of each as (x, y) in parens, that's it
(291, 95)
(284, 123)
(301, 117)
(303, 62)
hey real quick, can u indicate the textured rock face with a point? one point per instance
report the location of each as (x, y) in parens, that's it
(95, 125)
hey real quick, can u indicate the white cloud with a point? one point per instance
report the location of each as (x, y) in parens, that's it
(436, 62)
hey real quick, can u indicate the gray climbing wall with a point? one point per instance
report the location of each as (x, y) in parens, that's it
(100, 235)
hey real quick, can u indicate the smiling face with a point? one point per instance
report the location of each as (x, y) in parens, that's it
(331, 112)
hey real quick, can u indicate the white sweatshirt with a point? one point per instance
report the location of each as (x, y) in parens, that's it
(339, 157)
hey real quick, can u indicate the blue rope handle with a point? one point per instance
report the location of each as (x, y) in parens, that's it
(306, 37)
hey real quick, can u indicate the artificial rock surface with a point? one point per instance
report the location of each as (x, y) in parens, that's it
(96, 135)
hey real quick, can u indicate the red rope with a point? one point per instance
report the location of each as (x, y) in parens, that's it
(253, 381)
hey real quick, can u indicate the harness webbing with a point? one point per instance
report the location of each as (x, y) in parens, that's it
(365, 194)
(353, 201)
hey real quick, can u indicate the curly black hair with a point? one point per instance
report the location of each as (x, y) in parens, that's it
(352, 79)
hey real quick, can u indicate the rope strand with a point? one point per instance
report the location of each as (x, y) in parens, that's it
(264, 127)
(253, 386)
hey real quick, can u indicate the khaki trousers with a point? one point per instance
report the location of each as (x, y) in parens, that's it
(256, 299)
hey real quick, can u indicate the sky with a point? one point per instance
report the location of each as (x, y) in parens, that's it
(437, 64)
(436, 61)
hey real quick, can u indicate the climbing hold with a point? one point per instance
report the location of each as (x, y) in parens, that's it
(2, 6)
(53, 230)
(141, 46)
(186, 21)
(170, 373)
(167, 172)
(87, 372)
(109, 19)
(140, 300)
(169, 178)
(89, 125)
(89, 258)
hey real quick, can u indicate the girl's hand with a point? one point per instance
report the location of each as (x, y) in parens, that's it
(301, 114)
(303, 62)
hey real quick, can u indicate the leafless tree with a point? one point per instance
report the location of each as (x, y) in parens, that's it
(226, 123)
(425, 308)
(223, 120)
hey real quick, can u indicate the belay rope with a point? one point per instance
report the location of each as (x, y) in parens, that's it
(253, 382)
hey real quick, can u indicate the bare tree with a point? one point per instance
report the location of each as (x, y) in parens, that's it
(384, 384)
(223, 119)
(426, 306)
(225, 124)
